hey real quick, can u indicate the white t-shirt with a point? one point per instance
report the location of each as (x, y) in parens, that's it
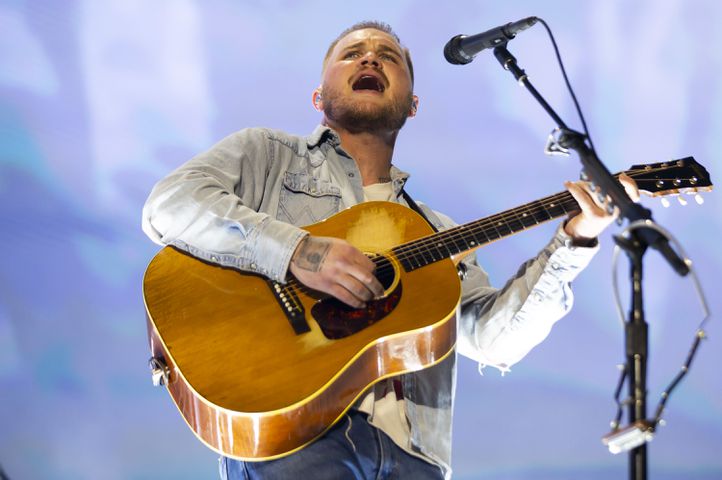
(386, 411)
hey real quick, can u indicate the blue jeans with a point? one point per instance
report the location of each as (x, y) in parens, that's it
(351, 449)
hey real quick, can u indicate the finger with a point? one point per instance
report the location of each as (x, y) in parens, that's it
(376, 287)
(368, 279)
(363, 270)
(341, 293)
(585, 198)
(362, 284)
(363, 261)
(630, 186)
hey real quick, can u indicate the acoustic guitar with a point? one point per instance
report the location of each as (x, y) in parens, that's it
(259, 369)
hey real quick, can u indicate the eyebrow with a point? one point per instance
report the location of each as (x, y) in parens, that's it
(381, 48)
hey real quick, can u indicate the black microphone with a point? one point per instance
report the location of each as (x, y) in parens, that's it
(461, 49)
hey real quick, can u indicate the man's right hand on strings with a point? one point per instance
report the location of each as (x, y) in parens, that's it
(334, 266)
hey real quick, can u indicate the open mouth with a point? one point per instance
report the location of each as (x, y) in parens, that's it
(368, 82)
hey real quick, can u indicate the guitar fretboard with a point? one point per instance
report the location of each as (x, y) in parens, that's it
(470, 236)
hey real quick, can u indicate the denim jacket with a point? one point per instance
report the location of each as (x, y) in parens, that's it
(241, 203)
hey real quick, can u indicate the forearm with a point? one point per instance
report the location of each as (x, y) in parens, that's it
(499, 327)
(208, 206)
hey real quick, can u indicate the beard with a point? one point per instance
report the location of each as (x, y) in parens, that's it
(357, 117)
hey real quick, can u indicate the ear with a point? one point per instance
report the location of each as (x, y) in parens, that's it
(316, 99)
(414, 106)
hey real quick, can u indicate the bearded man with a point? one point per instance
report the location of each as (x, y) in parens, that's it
(241, 204)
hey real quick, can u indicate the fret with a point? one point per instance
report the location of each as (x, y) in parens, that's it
(427, 254)
(434, 250)
(501, 226)
(414, 257)
(422, 260)
(490, 233)
(528, 217)
(477, 240)
(539, 212)
(464, 237)
(516, 224)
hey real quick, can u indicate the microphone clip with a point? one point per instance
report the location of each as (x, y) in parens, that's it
(554, 145)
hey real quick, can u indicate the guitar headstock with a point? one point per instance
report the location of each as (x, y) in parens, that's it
(676, 177)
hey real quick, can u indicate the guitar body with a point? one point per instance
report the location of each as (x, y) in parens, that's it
(252, 387)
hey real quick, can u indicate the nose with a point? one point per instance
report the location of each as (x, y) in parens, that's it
(370, 58)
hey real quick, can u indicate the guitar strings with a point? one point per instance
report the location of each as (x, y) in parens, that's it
(422, 246)
(562, 199)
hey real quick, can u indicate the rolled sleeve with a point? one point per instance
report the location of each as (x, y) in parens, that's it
(499, 327)
(208, 207)
(275, 246)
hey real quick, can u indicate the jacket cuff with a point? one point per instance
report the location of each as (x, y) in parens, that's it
(566, 259)
(274, 248)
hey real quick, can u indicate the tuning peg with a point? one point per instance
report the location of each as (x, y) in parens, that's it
(682, 200)
(665, 202)
(699, 199)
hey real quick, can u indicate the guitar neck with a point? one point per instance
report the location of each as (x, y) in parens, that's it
(472, 235)
(683, 176)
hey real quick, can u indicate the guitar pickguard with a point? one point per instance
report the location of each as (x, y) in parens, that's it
(338, 320)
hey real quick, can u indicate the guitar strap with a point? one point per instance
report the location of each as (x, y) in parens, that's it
(417, 209)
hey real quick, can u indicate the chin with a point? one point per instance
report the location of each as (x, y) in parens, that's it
(357, 114)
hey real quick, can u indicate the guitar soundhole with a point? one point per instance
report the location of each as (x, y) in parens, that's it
(338, 320)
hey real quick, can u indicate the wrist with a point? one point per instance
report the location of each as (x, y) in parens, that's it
(576, 240)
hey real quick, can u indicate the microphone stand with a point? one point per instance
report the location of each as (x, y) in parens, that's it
(636, 338)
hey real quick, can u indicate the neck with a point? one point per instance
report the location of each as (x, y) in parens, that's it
(372, 151)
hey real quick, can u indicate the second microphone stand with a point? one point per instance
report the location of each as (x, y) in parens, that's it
(636, 338)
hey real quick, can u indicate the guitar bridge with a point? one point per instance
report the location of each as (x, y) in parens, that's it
(291, 306)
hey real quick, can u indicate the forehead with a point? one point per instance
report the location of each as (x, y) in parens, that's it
(368, 37)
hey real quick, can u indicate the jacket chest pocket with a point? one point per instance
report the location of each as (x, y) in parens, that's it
(305, 200)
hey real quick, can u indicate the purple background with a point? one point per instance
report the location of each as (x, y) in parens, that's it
(99, 100)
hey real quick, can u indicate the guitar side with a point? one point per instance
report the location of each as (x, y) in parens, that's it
(248, 385)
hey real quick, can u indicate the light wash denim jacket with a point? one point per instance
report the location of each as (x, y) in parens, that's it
(241, 204)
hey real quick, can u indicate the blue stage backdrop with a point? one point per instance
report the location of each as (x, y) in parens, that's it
(99, 100)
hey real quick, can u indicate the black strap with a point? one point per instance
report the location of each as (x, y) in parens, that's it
(417, 209)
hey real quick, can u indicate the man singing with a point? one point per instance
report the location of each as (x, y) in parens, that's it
(241, 204)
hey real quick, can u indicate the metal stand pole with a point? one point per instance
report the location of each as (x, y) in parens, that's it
(636, 342)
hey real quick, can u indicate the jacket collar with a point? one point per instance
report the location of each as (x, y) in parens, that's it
(322, 134)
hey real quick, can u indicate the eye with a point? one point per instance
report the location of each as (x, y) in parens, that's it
(387, 56)
(352, 54)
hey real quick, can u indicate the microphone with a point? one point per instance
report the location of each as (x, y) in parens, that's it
(462, 49)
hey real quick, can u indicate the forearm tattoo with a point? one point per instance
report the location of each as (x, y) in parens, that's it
(311, 254)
